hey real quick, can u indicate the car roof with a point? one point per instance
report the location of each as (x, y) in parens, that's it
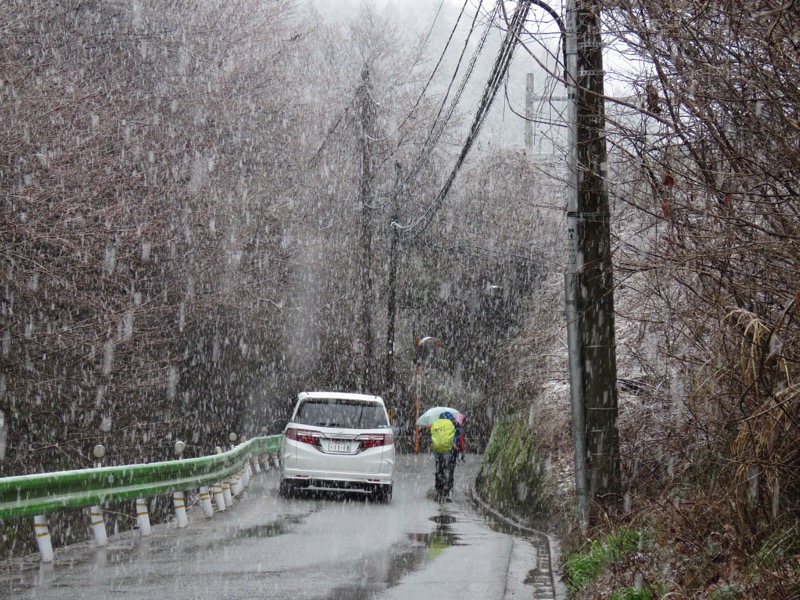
(340, 396)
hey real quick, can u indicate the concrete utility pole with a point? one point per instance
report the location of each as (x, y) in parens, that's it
(391, 300)
(529, 82)
(589, 277)
(366, 110)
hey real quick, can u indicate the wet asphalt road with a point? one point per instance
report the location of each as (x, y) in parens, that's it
(326, 548)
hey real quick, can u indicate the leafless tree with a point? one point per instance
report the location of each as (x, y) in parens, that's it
(136, 209)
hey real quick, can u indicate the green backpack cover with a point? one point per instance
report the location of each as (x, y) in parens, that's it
(443, 432)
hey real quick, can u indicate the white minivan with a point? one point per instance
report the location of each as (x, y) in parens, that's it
(338, 441)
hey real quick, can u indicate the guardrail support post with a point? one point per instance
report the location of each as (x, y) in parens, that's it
(143, 517)
(257, 464)
(98, 526)
(246, 475)
(180, 509)
(226, 493)
(236, 486)
(43, 538)
(205, 502)
(219, 498)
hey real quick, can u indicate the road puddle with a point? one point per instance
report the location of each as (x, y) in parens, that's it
(417, 552)
(443, 519)
(283, 524)
(440, 538)
(265, 530)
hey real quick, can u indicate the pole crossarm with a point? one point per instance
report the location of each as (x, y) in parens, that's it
(26, 495)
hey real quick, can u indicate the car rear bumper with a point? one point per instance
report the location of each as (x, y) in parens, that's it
(384, 475)
(324, 478)
(300, 462)
(334, 485)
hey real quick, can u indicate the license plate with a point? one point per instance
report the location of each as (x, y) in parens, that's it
(342, 446)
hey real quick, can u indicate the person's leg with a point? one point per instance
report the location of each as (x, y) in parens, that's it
(451, 467)
(441, 473)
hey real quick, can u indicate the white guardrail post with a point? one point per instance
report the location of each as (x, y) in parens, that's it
(143, 517)
(205, 502)
(180, 510)
(96, 511)
(219, 497)
(226, 493)
(43, 538)
(245, 472)
(177, 497)
(234, 481)
(98, 526)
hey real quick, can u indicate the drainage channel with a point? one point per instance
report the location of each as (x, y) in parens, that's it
(540, 557)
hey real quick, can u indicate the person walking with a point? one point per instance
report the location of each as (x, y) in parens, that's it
(443, 438)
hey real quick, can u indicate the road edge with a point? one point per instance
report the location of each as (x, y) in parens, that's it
(559, 591)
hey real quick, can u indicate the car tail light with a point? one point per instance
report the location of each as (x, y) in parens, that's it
(375, 440)
(304, 436)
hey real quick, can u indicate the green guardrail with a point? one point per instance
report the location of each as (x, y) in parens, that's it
(27, 495)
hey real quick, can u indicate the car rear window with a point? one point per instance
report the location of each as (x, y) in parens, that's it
(348, 414)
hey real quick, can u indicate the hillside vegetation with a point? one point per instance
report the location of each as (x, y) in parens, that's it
(706, 217)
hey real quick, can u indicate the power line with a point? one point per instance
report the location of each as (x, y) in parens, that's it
(496, 77)
(317, 154)
(439, 62)
(437, 128)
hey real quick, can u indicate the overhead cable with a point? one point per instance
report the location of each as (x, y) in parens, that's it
(496, 77)
(438, 63)
(439, 123)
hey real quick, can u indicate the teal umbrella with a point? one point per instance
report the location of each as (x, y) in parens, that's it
(429, 416)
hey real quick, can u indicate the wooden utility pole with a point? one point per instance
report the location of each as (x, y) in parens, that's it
(366, 111)
(589, 278)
